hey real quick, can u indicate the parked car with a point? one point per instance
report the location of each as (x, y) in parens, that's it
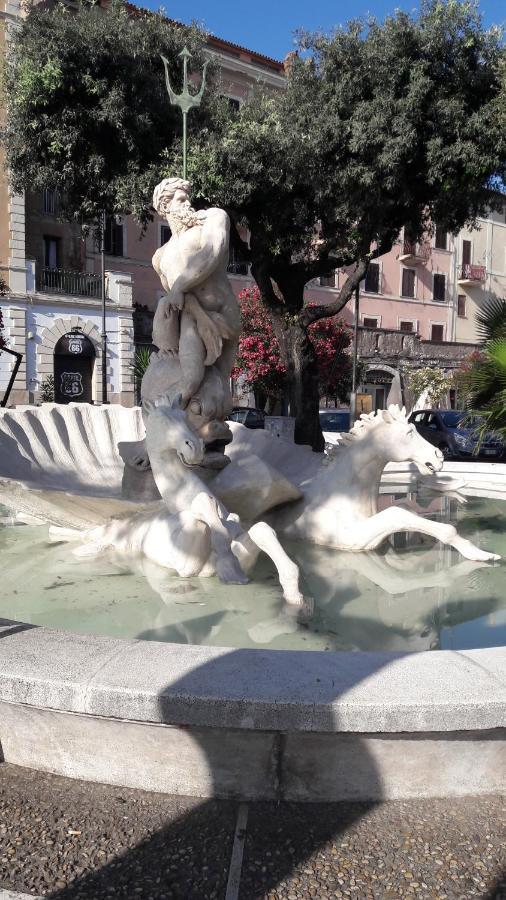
(455, 434)
(248, 416)
(333, 422)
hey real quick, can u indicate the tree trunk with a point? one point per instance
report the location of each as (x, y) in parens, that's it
(302, 379)
(304, 392)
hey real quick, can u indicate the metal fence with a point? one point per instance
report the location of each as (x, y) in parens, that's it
(62, 281)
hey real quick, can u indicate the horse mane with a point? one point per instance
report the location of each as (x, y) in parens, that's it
(367, 421)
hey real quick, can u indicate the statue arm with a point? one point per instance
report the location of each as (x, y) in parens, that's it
(202, 263)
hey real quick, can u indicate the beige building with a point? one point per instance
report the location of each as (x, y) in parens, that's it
(480, 272)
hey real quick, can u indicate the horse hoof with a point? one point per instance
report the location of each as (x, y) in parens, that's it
(229, 571)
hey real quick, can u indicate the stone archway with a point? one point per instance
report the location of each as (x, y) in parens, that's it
(394, 394)
(51, 336)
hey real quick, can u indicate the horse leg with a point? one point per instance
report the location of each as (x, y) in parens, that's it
(179, 542)
(207, 509)
(261, 536)
(367, 534)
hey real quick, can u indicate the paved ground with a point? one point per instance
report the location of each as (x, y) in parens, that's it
(74, 841)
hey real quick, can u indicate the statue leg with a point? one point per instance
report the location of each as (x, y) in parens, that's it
(179, 542)
(191, 358)
(207, 509)
(367, 534)
(261, 536)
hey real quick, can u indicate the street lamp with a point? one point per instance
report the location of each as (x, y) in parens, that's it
(103, 292)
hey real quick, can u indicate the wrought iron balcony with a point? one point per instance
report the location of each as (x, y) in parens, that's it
(414, 253)
(468, 274)
(238, 268)
(63, 281)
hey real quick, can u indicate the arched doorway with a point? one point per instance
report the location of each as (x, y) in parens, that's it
(383, 384)
(73, 368)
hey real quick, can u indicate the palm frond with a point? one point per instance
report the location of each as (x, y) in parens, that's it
(491, 320)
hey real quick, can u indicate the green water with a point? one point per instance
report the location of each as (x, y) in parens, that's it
(413, 595)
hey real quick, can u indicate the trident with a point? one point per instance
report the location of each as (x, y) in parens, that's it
(185, 100)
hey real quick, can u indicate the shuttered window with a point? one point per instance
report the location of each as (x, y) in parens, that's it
(439, 288)
(408, 282)
(372, 279)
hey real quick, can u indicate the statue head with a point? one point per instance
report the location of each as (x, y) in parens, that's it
(168, 190)
(171, 200)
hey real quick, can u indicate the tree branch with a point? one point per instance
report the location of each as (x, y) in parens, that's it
(312, 314)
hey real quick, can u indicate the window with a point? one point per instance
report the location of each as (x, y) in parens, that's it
(328, 280)
(50, 202)
(408, 282)
(369, 322)
(418, 418)
(466, 253)
(437, 332)
(441, 239)
(372, 279)
(113, 237)
(439, 287)
(165, 234)
(51, 252)
(461, 306)
(406, 325)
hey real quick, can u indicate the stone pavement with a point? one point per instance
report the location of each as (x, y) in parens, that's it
(70, 840)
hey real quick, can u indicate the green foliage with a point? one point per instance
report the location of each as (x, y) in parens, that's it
(485, 380)
(433, 380)
(141, 361)
(47, 390)
(88, 111)
(381, 126)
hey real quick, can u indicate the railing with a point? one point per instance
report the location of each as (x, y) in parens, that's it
(238, 268)
(62, 281)
(419, 251)
(467, 272)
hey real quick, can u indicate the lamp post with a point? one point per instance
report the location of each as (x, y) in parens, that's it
(353, 396)
(103, 292)
(184, 100)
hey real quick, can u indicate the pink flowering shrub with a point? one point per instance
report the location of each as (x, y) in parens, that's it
(259, 358)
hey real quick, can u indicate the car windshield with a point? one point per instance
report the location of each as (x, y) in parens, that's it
(239, 415)
(334, 421)
(454, 419)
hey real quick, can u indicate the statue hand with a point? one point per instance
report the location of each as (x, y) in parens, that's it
(173, 300)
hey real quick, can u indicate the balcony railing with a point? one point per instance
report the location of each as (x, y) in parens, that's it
(238, 268)
(475, 274)
(62, 281)
(415, 251)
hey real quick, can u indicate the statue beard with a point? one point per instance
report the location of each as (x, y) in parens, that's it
(183, 218)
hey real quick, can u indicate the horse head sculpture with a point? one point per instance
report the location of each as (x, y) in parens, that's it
(167, 431)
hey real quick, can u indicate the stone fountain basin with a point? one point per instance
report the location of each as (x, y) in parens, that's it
(253, 724)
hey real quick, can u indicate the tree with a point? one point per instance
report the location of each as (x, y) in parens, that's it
(88, 111)
(259, 359)
(430, 380)
(380, 126)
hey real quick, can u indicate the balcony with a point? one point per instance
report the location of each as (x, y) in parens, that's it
(238, 268)
(414, 254)
(63, 281)
(468, 274)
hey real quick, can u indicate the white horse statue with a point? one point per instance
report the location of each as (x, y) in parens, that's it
(339, 507)
(192, 532)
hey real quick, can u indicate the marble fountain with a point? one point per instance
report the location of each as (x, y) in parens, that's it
(192, 607)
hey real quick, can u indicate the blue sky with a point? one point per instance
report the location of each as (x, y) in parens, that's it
(267, 26)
